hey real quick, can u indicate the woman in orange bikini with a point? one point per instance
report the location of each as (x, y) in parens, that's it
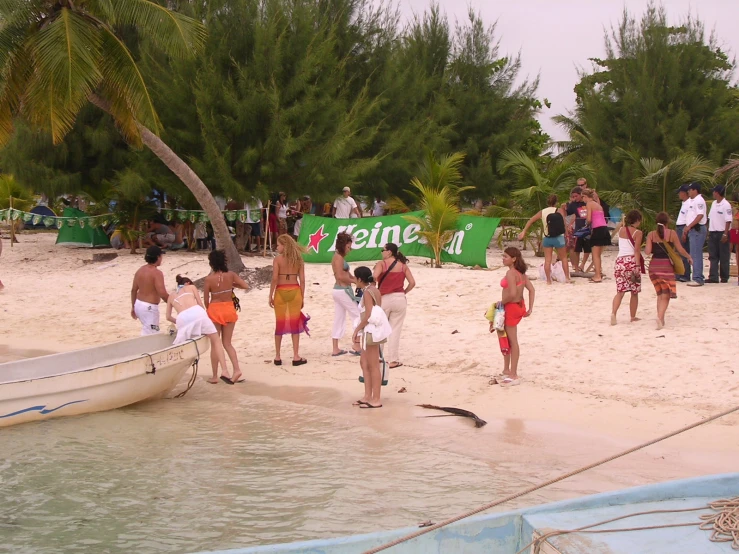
(513, 283)
(221, 306)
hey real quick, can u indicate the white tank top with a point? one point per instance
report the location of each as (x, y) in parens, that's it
(625, 248)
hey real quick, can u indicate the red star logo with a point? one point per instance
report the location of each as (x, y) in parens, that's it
(315, 239)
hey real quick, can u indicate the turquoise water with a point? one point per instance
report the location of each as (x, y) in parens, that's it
(221, 468)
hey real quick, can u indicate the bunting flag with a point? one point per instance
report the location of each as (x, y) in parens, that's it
(193, 216)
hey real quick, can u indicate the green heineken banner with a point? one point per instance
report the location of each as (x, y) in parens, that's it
(467, 247)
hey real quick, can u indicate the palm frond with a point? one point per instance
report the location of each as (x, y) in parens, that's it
(521, 165)
(175, 33)
(124, 87)
(730, 170)
(16, 73)
(65, 53)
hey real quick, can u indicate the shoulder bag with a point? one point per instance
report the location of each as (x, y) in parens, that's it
(675, 258)
(642, 269)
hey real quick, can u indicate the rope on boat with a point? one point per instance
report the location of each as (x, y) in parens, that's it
(153, 367)
(194, 375)
(725, 525)
(733, 517)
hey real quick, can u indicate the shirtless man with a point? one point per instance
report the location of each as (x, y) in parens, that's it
(148, 287)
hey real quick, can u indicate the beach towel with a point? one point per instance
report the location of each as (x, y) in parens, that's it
(289, 319)
(377, 324)
(148, 315)
(192, 323)
(222, 313)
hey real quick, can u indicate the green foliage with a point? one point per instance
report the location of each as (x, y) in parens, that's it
(437, 193)
(654, 188)
(730, 171)
(535, 179)
(55, 55)
(662, 91)
(9, 187)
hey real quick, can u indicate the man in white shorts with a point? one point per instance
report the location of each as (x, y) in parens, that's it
(147, 289)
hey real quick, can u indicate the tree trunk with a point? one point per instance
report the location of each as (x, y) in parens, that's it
(189, 178)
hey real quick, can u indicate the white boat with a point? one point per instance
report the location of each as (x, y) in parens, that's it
(94, 379)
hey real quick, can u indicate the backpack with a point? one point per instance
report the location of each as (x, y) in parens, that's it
(555, 225)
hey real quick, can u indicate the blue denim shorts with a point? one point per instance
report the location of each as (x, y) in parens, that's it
(554, 242)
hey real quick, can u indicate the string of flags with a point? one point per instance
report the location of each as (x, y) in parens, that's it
(193, 216)
(49, 221)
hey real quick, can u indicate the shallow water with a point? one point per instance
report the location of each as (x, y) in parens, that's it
(222, 468)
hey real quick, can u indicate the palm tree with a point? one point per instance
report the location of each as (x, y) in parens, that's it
(437, 194)
(57, 55)
(654, 179)
(535, 181)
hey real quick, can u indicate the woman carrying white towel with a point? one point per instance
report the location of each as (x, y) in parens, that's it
(372, 329)
(193, 321)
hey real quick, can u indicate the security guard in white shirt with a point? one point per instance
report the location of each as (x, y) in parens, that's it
(682, 219)
(695, 231)
(719, 249)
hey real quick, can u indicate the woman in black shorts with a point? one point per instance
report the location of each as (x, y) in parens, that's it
(599, 235)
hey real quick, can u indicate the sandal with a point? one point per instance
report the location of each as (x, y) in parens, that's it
(339, 353)
(301, 361)
(391, 366)
(509, 382)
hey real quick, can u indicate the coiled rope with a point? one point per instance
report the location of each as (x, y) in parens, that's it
(533, 488)
(725, 525)
(194, 375)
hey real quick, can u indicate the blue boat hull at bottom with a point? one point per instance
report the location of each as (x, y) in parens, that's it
(509, 532)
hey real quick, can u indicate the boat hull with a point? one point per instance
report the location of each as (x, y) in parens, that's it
(104, 378)
(510, 532)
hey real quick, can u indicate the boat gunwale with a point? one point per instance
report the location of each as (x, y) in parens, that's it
(85, 370)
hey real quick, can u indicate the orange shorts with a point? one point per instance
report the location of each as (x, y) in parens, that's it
(222, 313)
(514, 312)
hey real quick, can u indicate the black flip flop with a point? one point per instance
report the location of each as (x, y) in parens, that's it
(368, 406)
(226, 380)
(277, 362)
(301, 361)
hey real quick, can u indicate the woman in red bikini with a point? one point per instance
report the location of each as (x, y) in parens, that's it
(513, 283)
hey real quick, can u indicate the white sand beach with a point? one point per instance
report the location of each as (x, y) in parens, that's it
(582, 378)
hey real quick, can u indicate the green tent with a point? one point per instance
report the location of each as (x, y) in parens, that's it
(81, 237)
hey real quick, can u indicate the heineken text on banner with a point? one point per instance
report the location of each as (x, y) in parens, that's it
(467, 247)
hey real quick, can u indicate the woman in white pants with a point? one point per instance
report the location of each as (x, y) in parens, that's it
(344, 300)
(391, 275)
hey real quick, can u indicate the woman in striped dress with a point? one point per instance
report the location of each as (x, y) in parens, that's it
(661, 270)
